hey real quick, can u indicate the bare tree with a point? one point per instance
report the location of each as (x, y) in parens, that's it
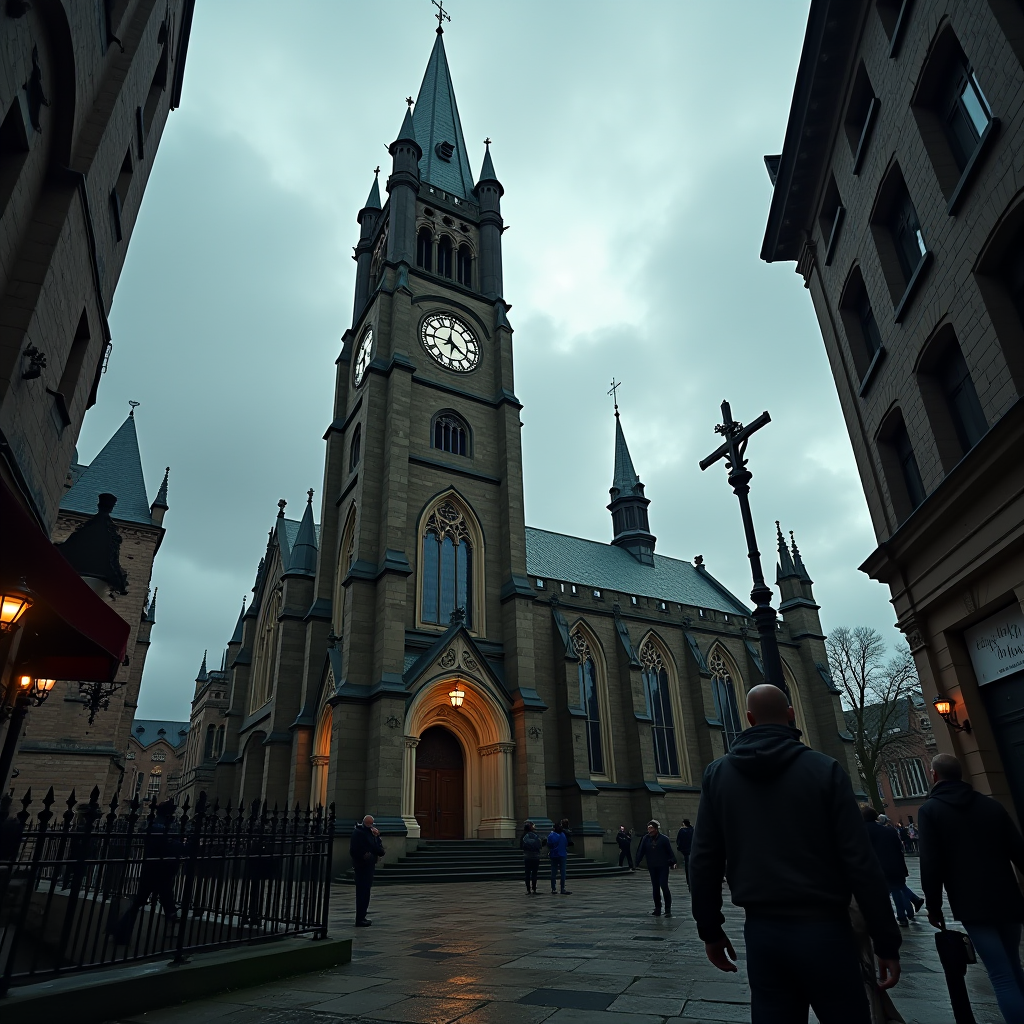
(876, 695)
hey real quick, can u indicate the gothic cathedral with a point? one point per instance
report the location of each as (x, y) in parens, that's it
(425, 656)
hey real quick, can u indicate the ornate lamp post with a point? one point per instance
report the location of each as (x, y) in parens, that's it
(31, 692)
(732, 451)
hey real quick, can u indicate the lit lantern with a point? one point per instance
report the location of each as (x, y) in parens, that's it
(457, 696)
(943, 706)
(946, 710)
(13, 605)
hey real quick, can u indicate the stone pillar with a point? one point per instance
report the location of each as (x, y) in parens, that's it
(321, 764)
(409, 787)
(496, 820)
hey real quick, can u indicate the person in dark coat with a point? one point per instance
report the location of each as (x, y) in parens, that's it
(657, 851)
(888, 849)
(969, 844)
(684, 843)
(161, 853)
(558, 853)
(794, 883)
(624, 837)
(365, 848)
(530, 844)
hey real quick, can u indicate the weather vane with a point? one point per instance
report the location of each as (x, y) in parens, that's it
(616, 384)
(134, 406)
(442, 15)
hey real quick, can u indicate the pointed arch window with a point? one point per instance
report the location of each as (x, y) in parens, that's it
(424, 248)
(444, 256)
(266, 652)
(447, 571)
(590, 701)
(450, 434)
(659, 703)
(355, 450)
(211, 742)
(725, 698)
(347, 556)
(464, 266)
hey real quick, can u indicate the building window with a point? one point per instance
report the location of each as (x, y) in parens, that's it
(540, 584)
(218, 747)
(899, 239)
(447, 565)
(589, 701)
(966, 115)
(860, 116)
(138, 785)
(464, 266)
(424, 247)
(725, 698)
(266, 651)
(130, 756)
(158, 755)
(830, 219)
(13, 151)
(154, 785)
(914, 773)
(158, 84)
(862, 330)
(902, 473)
(962, 399)
(211, 739)
(354, 450)
(659, 705)
(450, 434)
(895, 781)
(634, 601)
(444, 256)
(907, 236)
(119, 194)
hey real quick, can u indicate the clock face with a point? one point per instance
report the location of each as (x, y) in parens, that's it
(450, 343)
(363, 356)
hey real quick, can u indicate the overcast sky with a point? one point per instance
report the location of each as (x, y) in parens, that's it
(629, 139)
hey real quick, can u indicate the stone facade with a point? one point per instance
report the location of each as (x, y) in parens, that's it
(579, 679)
(900, 194)
(154, 759)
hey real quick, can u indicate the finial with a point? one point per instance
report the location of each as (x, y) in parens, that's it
(487, 142)
(410, 101)
(376, 170)
(309, 496)
(134, 406)
(613, 391)
(442, 15)
(778, 529)
(280, 508)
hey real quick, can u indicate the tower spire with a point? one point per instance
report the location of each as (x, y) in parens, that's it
(785, 568)
(628, 506)
(203, 674)
(801, 569)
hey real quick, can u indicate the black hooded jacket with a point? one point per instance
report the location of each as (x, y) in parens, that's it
(752, 826)
(968, 842)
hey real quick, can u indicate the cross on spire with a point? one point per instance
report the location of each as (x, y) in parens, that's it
(442, 15)
(376, 170)
(487, 142)
(409, 100)
(613, 391)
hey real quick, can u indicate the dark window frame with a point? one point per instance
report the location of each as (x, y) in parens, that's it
(449, 428)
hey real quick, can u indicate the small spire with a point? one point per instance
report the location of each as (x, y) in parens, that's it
(151, 610)
(281, 505)
(785, 566)
(407, 133)
(801, 569)
(203, 674)
(236, 636)
(373, 199)
(161, 495)
(487, 169)
(304, 551)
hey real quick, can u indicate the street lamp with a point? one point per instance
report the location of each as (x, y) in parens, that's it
(14, 602)
(32, 690)
(35, 689)
(945, 708)
(457, 696)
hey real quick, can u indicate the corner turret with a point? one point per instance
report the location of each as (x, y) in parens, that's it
(629, 505)
(403, 186)
(798, 607)
(369, 219)
(488, 191)
(159, 506)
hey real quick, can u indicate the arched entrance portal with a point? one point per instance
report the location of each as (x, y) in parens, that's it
(440, 785)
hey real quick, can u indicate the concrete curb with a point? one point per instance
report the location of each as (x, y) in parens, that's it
(97, 996)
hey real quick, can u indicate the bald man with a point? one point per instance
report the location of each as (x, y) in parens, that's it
(365, 849)
(793, 882)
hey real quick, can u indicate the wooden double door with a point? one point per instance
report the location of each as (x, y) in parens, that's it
(440, 785)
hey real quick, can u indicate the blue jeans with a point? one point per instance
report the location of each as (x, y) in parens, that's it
(904, 908)
(557, 864)
(998, 945)
(794, 964)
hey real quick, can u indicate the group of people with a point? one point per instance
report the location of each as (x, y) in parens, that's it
(820, 931)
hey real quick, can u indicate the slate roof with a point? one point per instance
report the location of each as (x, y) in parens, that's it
(116, 470)
(436, 120)
(606, 567)
(147, 731)
(291, 532)
(625, 479)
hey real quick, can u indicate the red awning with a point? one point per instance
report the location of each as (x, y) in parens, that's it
(69, 632)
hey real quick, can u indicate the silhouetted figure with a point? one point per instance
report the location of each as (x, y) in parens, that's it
(530, 844)
(558, 853)
(657, 851)
(624, 837)
(888, 849)
(365, 849)
(684, 843)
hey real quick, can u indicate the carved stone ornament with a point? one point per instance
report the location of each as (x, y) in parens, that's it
(320, 760)
(447, 520)
(580, 646)
(469, 661)
(392, 721)
(534, 731)
(448, 659)
(444, 711)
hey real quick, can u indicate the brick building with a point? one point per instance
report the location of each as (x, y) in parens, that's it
(85, 90)
(154, 759)
(67, 743)
(900, 195)
(425, 655)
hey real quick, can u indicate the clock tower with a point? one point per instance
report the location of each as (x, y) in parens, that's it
(421, 588)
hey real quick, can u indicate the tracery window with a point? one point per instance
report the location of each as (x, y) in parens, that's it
(447, 567)
(348, 551)
(450, 434)
(211, 739)
(725, 698)
(266, 652)
(589, 701)
(355, 450)
(659, 703)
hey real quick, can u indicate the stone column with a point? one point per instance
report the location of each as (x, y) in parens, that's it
(318, 784)
(409, 787)
(497, 821)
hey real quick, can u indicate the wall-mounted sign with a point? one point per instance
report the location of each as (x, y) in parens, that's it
(996, 646)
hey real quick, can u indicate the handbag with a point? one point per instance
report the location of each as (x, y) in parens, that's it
(955, 950)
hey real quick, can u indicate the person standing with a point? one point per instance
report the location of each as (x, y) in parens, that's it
(624, 837)
(889, 851)
(684, 843)
(795, 884)
(365, 849)
(657, 850)
(558, 852)
(969, 844)
(530, 844)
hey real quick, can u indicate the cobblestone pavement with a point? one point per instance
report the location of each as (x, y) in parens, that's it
(485, 953)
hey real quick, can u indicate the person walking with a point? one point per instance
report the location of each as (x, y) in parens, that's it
(558, 852)
(889, 851)
(657, 851)
(684, 843)
(530, 844)
(365, 848)
(795, 884)
(969, 845)
(624, 837)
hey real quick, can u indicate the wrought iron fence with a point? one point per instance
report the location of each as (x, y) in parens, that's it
(82, 891)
